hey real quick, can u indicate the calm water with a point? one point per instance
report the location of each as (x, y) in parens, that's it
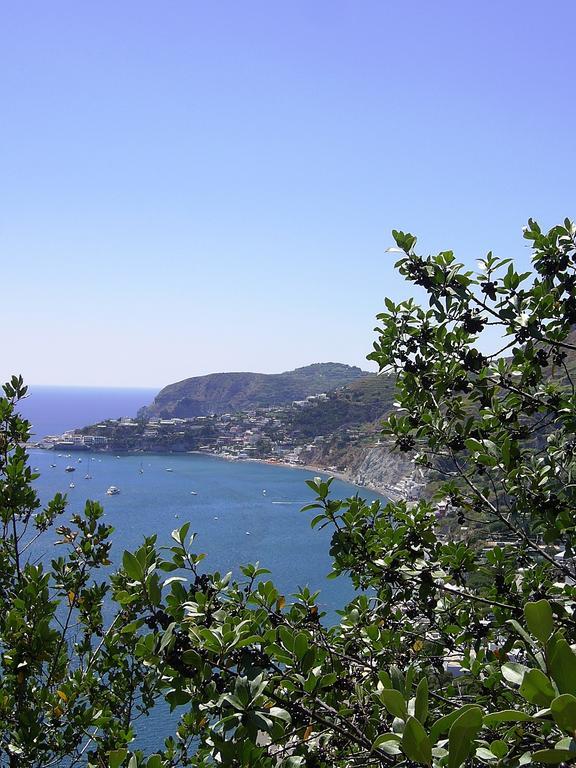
(242, 511)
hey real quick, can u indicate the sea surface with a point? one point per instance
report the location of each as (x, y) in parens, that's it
(53, 410)
(241, 511)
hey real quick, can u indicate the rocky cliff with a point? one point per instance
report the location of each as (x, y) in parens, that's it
(232, 392)
(389, 472)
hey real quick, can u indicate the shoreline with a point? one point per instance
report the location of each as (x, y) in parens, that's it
(346, 477)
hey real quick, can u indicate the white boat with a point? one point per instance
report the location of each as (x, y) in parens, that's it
(113, 491)
(169, 469)
(71, 485)
(70, 469)
(193, 493)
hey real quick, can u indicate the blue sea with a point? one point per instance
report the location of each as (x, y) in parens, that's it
(242, 511)
(53, 410)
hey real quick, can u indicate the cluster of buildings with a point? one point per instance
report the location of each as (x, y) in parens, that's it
(264, 433)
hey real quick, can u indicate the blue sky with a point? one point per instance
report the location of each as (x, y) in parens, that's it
(190, 187)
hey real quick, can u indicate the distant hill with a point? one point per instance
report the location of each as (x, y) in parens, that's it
(232, 392)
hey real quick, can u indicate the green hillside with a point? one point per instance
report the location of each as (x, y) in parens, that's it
(362, 402)
(232, 392)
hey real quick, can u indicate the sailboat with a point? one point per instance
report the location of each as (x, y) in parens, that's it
(141, 468)
(88, 476)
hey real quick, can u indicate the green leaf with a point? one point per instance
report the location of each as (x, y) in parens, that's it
(563, 710)
(567, 742)
(474, 445)
(117, 757)
(442, 725)
(294, 761)
(522, 632)
(461, 736)
(394, 702)
(562, 665)
(415, 742)
(300, 645)
(499, 748)
(513, 672)
(507, 716)
(154, 761)
(153, 589)
(387, 741)
(421, 702)
(537, 688)
(287, 638)
(539, 619)
(133, 626)
(132, 566)
(280, 714)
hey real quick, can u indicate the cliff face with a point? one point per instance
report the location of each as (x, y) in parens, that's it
(370, 465)
(390, 473)
(232, 392)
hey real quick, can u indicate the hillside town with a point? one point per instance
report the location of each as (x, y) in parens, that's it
(273, 434)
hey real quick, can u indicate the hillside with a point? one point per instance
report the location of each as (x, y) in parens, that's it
(232, 392)
(359, 403)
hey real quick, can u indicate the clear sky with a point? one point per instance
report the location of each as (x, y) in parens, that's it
(189, 187)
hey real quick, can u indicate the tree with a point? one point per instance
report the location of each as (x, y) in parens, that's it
(70, 686)
(457, 649)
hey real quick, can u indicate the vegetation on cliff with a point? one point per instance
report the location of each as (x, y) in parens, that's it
(229, 392)
(455, 651)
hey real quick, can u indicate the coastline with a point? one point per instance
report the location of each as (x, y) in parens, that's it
(380, 472)
(346, 477)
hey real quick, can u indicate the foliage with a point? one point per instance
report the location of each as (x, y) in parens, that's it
(457, 650)
(68, 686)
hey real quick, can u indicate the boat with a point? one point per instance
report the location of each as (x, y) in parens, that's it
(141, 468)
(70, 469)
(71, 485)
(88, 476)
(193, 493)
(169, 469)
(113, 491)
(52, 465)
